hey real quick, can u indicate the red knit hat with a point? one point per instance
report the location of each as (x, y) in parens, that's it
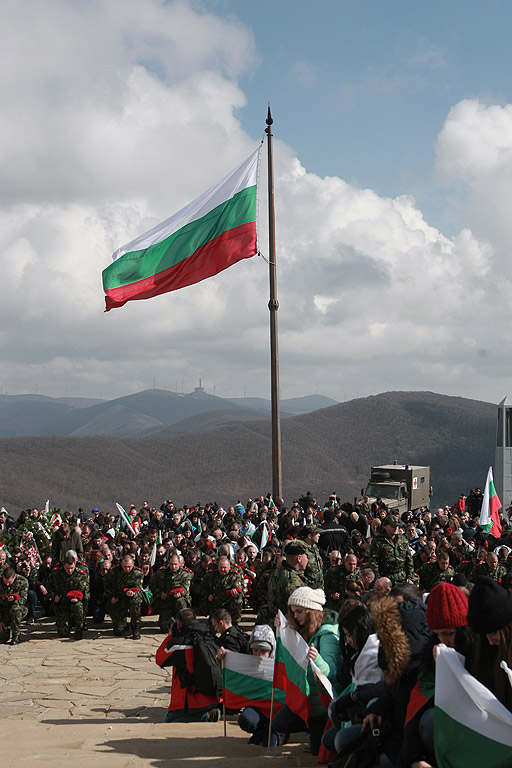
(447, 607)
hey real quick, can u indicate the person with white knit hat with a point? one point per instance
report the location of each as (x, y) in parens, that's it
(319, 628)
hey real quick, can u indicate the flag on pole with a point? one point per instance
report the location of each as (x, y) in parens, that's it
(491, 505)
(291, 667)
(471, 726)
(126, 519)
(247, 682)
(208, 235)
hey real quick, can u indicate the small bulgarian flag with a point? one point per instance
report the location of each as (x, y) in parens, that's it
(491, 505)
(247, 682)
(471, 726)
(208, 235)
(291, 668)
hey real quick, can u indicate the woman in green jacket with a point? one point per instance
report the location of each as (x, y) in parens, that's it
(320, 630)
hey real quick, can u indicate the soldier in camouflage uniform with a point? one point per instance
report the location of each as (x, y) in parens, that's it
(468, 567)
(171, 591)
(123, 587)
(199, 585)
(225, 589)
(390, 554)
(68, 588)
(13, 603)
(491, 568)
(313, 575)
(433, 573)
(336, 580)
(285, 579)
(3, 560)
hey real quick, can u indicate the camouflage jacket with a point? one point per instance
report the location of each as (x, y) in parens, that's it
(219, 586)
(166, 581)
(314, 573)
(336, 580)
(391, 557)
(18, 587)
(283, 581)
(60, 583)
(199, 583)
(430, 574)
(496, 575)
(468, 569)
(116, 581)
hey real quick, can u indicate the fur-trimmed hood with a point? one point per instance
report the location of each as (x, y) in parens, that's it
(395, 649)
(403, 632)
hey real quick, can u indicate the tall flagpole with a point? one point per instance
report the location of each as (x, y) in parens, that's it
(273, 306)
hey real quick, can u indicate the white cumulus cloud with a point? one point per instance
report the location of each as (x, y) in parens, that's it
(116, 113)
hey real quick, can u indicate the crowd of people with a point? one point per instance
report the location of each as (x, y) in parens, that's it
(370, 590)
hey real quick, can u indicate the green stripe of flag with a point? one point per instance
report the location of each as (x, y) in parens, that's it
(460, 747)
(138, 265)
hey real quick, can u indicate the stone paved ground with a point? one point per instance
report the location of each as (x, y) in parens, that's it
(65, 703)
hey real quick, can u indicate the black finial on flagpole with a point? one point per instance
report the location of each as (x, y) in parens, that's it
(269, 120)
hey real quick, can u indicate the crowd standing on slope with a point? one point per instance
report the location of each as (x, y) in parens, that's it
(352, 580)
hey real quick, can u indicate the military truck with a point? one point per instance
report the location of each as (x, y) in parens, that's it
(400, 486)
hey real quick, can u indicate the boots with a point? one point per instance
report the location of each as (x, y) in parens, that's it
(136, 631)
(78, 633)
(15, 639)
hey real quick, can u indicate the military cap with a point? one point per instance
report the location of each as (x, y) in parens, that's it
(310, 528)
(295, 547)
(392, 520)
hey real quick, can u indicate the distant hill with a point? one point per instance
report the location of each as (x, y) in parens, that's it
(294, 405)
(328, 450)
(148, 412)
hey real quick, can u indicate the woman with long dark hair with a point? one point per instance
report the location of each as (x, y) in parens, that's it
(346, 712)
(490, 618)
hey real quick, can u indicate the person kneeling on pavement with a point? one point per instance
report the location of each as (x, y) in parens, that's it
(69, 591)
(262, 643)
(196, 678)
(13, 604)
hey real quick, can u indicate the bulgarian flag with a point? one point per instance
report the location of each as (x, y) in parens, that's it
(206, 236)
(420, 695)
(471, 727)
(126, 518)
(290, 673)
(491, 505)
(247, 682)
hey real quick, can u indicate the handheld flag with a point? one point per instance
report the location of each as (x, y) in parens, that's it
(152, 559)
(247, 681)
(290, 673)
(126, 518)
(491, 505)
(208, 235)
(471, 726)
(264, 536)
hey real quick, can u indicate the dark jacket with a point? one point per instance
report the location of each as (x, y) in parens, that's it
(177, 651)
(233, 639)
(403, 633)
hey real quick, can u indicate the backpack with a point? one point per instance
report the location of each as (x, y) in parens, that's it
(207, 674)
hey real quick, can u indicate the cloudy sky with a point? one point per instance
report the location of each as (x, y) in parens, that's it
(393, 153)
